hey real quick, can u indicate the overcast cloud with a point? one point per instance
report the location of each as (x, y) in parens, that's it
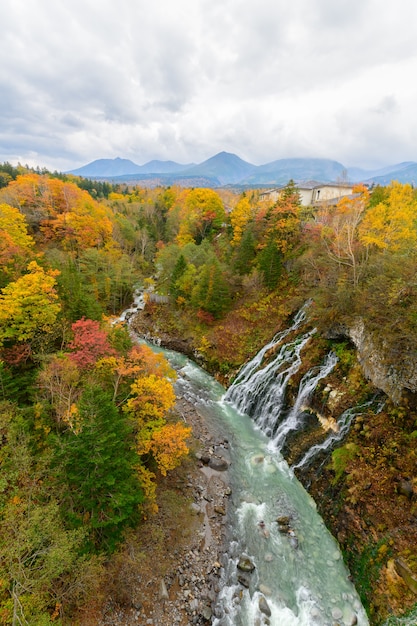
(185, 79)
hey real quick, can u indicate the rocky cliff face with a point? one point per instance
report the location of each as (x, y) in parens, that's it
(386, 371)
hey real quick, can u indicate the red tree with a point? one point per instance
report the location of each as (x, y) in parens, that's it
(89, 344)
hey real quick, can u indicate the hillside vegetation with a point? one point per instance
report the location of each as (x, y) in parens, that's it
(87, 426)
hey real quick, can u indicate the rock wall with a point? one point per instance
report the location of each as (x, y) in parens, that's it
(392, 373)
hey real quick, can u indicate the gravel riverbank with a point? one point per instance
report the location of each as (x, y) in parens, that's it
(169, 571)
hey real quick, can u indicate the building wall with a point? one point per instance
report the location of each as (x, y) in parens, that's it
(330, 192)
(312, 195)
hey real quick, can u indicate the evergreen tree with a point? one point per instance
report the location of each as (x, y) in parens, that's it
(245, 253)
(177, 272)
(212, 292)
(270, 264)
(96, 466)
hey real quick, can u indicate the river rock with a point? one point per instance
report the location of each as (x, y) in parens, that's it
(258, 459)
(337, 613)
(163, 592)
(245, 564)
(206, 613)
(218, 463)
(405, 488)
(266, 591)
(264, 606)
(244, 579)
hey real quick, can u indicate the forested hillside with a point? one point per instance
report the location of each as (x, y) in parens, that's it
(87, 425)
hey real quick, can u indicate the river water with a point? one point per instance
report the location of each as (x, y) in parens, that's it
(299, 577)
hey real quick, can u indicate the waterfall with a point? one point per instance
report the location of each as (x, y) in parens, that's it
(259, 389)
(297, 576)
(261, 392)
(251, 367)
(307, 385)
(343, 425)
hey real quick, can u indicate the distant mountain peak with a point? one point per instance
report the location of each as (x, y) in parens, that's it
(107, 167)
(227, 168)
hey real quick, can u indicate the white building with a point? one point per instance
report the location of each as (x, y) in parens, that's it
(312, 192)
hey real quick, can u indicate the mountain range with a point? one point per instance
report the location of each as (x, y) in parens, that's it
(226, 169)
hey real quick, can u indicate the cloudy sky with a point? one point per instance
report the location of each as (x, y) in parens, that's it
(185, 79)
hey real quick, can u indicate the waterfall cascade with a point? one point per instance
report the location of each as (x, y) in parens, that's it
(296, 575)
(343, 422)
(260, 387)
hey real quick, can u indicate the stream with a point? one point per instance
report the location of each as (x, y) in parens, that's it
(295, 574)
(298, 578)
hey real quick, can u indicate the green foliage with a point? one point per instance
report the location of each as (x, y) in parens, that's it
(212, 293)
(16, 384)
(346, 354)
(96, 467)
(365, 568)
(177, 273)
(270, 264)
(40, 563)
(75, 294)
(245, 253)
(341, 457)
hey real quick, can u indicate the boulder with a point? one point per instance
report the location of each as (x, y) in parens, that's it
(245, 564)
(218, 463)
(264, 606)
(244, 579)
(163, 592)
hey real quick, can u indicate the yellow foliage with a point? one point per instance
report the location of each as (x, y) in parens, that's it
(152, 398)
(29, 305)
(148, 484)
(113, 196)
(14, 224)
(391, 225)
(239, 218)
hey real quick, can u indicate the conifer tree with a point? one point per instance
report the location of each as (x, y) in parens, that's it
(97, 468)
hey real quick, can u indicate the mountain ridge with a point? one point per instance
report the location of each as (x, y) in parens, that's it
(225, 168)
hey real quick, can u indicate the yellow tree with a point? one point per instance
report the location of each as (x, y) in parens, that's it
(15, 243)
(169, 446)
(28, 306)
(152, 398)
(202, 214)
(391, 224)
(121, 371)
(239, 218)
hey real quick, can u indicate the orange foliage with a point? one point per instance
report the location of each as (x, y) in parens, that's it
(63, 211)
(168, 446)
(141, 361)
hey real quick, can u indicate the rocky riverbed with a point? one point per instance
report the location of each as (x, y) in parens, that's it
(169, 573)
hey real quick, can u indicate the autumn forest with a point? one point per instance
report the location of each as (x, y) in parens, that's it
(88, 426)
